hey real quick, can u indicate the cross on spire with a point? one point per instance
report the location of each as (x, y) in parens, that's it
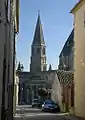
(38, 35)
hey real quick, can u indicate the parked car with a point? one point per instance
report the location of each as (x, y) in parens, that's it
(50, 106)
(35, 103)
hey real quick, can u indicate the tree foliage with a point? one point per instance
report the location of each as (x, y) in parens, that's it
(42, 92)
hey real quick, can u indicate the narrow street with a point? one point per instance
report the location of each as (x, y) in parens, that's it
(28, 113)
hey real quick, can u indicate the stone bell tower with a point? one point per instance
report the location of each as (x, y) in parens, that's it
(38, 50)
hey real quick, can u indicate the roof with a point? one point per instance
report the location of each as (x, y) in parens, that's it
(67, 48)
(24, 74)
(65, 77)
(38, 35)
(77, 6)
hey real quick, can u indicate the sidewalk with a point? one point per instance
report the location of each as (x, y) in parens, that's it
(71, 117)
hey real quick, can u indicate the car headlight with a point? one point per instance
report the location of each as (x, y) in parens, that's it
(42, 105)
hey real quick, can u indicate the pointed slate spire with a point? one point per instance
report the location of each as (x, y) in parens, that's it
(50, 67)
(38, 35)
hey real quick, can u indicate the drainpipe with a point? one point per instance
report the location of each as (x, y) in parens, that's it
(14, 56)
(3, 89)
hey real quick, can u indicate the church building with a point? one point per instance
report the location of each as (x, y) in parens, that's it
(39, 76)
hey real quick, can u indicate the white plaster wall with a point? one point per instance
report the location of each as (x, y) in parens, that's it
(79, 61)
(56, 90)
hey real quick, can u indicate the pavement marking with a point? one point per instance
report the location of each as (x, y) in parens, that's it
(28, 109)
(40, 114)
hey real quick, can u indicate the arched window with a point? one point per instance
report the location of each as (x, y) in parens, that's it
(43, 51)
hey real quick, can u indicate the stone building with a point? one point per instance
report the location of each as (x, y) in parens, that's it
(30, 82)
(63, 89)
(39, 76)
(79, 57)
(38, 50)
(66, 79)
(66, 74)
(8, 28)
(66, 57)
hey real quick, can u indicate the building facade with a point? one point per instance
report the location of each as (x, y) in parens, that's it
(79, 57)
(66, 79)
(8, 29)
(66, 75)
(66, 57)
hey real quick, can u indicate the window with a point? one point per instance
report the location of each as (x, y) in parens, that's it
(43, 51)
(43, 60)
(44, 68)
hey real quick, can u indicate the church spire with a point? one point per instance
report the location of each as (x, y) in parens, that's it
(38, 50)
(38, 35)
(39, 15)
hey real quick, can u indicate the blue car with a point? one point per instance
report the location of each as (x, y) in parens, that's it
(50, 106)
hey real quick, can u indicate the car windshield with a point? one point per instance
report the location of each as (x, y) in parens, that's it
(50, 102)
(35, 101)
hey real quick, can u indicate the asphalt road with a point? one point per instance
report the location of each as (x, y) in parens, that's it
(28, 113)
